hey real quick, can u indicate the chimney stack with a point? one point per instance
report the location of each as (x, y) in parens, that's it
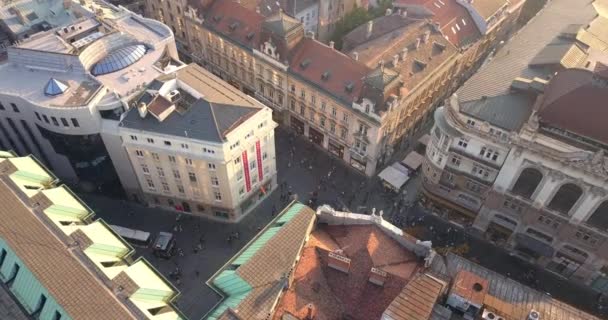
(370, 28)
(389, 11)
(356, 56)
(404, 13)
(311, 34)
(142, 108)
(395, 61)
(310, 311)
(381, 65)
(426, 36)
(338, 262)
(418, 40)
(331, 44)
(404, 54)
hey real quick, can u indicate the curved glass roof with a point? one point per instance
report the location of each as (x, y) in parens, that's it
(119, 59)
(55, 87)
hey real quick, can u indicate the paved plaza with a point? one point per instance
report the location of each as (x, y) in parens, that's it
(304, 170)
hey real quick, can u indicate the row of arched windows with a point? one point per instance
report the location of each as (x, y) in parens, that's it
(564, 199)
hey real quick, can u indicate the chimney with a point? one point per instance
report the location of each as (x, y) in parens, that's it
(404, 54)
(356, 55)
(338, 262)
(331, 44)
(377, 276)
(426, 36)
(399, 11)
(142, 108)
(418, 42)
(381, 64)
(389, 11)
(395, 61)
(370, 28)
(311, 34)
(404, 13)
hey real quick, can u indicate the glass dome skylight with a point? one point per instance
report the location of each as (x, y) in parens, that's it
(119, 59)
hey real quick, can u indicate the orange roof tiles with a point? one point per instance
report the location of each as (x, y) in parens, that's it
(233, 21)
(335, 294)
(470, 286)
(341, 69)
(449, 15)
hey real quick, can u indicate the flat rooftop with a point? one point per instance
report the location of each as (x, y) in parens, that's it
(22, 15)
(335, 294)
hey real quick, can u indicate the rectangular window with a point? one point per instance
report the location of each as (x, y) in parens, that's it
(192, 176)
(252, 165)
(239, 175)
(64, 122)
(463, 143)
(46, 119)
(241, 190)
(176, 174)
(456, 161)
(188, 161)
(185, 146)
(211, 166)
(155, 156)
(14, 107)
(343, 132)
(264, 155)
(172, 159)
(1, 106)
(217, 195)
(134, 138)
(180, 189)
(55, 122)
(139, 153)
(145, 169)
(167, 143)
(237, 161)
(161, 172)
(57, 316)
(37, 115)
(150, 184)
(150, 140)
(75, 122)
(215, 181)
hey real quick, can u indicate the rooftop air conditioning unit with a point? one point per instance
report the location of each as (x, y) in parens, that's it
(174, 96)
(489, 315)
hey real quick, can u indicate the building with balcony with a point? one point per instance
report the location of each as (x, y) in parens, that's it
(58, 262)
(519, 151)
(62, 91)
(199, 145)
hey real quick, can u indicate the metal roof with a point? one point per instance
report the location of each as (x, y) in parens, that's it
(255, 246)
(508, 112)
(119, 59)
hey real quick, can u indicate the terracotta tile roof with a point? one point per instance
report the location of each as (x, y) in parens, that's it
(487, 8)
(418, 63)
(561, 105)
(335, 294)
(81, 294)
(454, 20)
(417, 299)
(234, 21)
(339, 69)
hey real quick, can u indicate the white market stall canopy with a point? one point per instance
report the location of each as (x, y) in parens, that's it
(395, 176)
(413, 160)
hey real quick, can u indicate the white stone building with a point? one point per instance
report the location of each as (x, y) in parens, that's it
(519, 152)
(199, 145)
(62, 91)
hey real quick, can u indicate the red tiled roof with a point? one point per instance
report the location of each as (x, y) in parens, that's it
(448, 15)
(341, 69)
(233, 21)
(562, 108)
(335, 294)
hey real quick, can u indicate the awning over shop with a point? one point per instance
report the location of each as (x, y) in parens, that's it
(413, 160)
(533, 244)
(425, 140)
(395, 175)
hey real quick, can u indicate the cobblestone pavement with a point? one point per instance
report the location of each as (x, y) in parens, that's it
(306, 169)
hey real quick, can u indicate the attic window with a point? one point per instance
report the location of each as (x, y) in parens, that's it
(305, 63)
(421, 65)
(233, 26)
(325, 75)
(217, 18)
(349, 86)
(439, 46)
(250, 35)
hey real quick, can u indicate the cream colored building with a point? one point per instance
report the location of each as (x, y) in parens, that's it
(199, 145)
(519, 152)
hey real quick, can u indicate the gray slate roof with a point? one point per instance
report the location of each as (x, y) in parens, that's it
(494, 78)
(203, 121)
(508, 112)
